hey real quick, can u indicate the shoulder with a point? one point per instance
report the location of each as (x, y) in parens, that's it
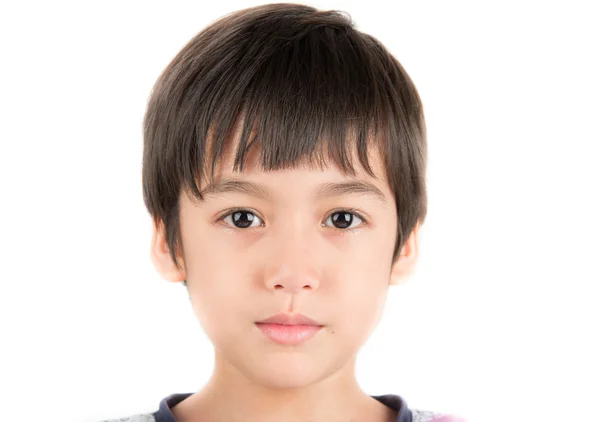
(428, 416)
(417, 416)
(142, 417)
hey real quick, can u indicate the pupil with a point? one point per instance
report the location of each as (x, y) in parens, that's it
(344, 222)
(243, 222)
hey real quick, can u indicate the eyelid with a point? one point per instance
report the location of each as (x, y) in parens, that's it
(233, 210)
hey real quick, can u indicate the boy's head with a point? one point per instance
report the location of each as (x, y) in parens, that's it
(284, 169)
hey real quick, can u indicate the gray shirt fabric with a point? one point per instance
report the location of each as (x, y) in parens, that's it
(164, 414)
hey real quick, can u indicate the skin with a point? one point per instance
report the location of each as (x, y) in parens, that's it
(293, 260)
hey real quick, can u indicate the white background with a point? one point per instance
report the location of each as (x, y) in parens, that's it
(500, 321)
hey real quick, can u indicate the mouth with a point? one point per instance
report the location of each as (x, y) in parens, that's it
(288, 334)
(290, 319)
(289, 329)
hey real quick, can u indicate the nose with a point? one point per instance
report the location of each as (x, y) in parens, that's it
(293, 266)
(292, 279)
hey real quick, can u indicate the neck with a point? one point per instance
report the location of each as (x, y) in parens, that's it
(231, 396)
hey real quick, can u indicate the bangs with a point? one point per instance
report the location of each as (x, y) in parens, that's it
(312, 98)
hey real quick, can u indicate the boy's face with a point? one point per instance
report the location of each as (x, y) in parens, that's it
(288, 253)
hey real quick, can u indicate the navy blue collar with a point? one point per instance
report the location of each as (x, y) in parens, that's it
(164, 414)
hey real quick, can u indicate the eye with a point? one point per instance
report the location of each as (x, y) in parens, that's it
(344, 219)
(242, 219)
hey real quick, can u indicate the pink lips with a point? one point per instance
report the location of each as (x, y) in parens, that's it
(289, 329)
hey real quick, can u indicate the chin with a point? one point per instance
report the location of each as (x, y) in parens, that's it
(285, 374)
(283, 382)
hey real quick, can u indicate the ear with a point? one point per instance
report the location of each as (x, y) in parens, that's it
(162, 259)
(406, 262)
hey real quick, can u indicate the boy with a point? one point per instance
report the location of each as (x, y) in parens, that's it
(284, 169)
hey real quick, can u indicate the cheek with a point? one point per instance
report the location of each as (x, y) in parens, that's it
(359, 297)
(220, 308)
(366, 300)
(217, 279)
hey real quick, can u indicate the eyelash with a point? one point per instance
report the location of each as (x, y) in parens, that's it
(352, 211)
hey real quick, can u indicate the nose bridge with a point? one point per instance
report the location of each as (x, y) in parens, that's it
(293, 264)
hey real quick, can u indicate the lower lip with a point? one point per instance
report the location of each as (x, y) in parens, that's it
(289, 334)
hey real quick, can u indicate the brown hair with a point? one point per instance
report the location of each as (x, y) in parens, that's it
(301, 80)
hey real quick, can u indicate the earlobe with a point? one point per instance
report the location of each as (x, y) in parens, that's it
(161, 258)
(406, 262)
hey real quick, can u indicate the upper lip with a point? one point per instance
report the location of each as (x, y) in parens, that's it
(289, 319)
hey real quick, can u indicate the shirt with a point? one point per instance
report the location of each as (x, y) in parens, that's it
(164, 414)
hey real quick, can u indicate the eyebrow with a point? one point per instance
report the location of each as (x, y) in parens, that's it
(326, 190)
